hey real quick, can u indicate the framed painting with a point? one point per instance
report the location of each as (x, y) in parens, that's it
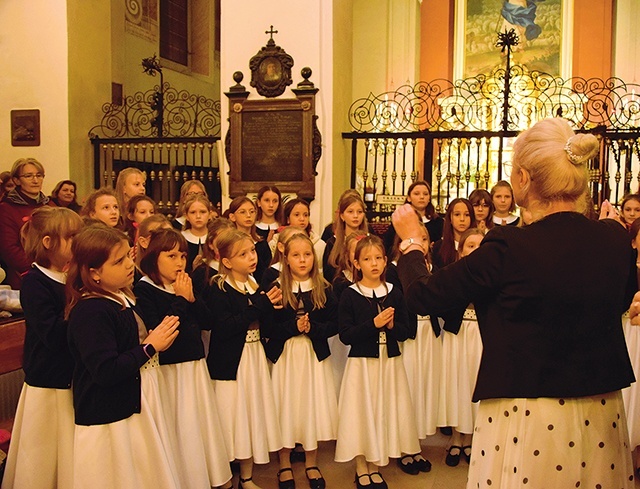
(544, 29)
(25, 127)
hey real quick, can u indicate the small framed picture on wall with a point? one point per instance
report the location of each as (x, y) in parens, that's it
(25, 127)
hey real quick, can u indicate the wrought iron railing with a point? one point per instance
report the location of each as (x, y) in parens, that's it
(170, 134)
(458, 134)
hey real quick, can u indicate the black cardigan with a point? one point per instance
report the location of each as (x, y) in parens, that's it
(47, 360)
(233, 312)
(549, 299)
(282, 325)
(355, 322)
(106, 380)
(154, 304)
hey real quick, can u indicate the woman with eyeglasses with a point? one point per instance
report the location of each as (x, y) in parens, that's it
(15, 210)
(483, 209)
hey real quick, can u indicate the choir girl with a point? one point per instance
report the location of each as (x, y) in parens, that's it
(242, 212)
(376, 419)
(272, 273)
(151, 223)
(237, 361)
(422, 359)
(631, 395)
(630, 209)
(210, 264)
(419, 196)
(350, 218)
(102, 205)
(130, 182)
(462, 349)
(505, 204)
(41, 453)
(121, 436)
(197, 210)
(483, 209)
(138, 209)
(188, 399)
(302, 374)
(188, 189)
(457, 220)
(296, 214)
(269, 205)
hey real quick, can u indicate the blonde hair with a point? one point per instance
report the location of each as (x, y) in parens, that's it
(318, 295)
(56, 222)
(343, 262)
(283, 237)
(20, 163)
(203, 199)
(556, 159)
(184, 194)
(91, 248)
(226, 244)
(121, 182)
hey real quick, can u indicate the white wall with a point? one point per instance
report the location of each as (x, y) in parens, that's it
(627, 41)
(33, 56)
(304, 32)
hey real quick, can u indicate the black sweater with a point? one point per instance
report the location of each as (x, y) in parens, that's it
(103, 338)
(154, 304)
(47, 360)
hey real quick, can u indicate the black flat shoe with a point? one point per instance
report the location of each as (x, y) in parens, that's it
(408, 465)
(378, 485)
(288, 484)
(297, 454)
(466, 453)
(363, 477)
(318, 483)
(453, 460)
(422, 463)
(240, 486)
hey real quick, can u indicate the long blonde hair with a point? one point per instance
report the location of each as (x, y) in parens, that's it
(340, 226)
(226, 243)
(318, 295)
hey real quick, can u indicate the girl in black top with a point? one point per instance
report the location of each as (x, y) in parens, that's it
(372, 320)
(41, 453)
(197, 211)
(269, 207)
(302, 375)
(458, 219)
(121, 436)
(237, 361)
(187, 396)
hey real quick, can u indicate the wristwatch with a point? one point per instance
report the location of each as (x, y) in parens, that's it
(404, 244)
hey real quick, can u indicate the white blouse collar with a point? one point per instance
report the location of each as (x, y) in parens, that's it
(215, 264)
(192, 238)
(304, 286)
(380, 290)
(60, 277)
(509, 219)
(267, 227)
(165, 288)
(250, 285)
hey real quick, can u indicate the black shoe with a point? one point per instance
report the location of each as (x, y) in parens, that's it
(422, 463)
(364, 477)
(408, 465)
(240, 486)
(288, 484)
(297, 454)
(453, 460)
(378, 485)
(446, 430)
(466, 453)
(318, 483)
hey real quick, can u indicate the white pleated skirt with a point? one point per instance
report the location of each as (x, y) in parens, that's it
(555, 443)
(305, 397)
(338, 360)
(461, 355)
(189, 404)
(41, 450)
(247, 408)
(132, 452)
(631, 395)
(422, 359)
(376, 416)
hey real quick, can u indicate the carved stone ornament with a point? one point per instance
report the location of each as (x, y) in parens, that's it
(271, 69)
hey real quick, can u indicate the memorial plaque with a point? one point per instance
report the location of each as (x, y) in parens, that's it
(272, 146)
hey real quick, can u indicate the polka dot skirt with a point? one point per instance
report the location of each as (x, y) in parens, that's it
(551, 443)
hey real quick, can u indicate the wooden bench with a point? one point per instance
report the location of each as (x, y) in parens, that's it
(11, 344)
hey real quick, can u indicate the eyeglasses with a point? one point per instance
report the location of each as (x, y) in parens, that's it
(31, 176)
(243, 212)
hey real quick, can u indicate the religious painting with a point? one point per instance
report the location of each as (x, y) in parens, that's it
(141, 19)
(25, 127)
(542, 26)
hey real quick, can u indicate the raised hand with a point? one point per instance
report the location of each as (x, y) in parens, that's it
(275, 297)
(384, 318)
(183, 286)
